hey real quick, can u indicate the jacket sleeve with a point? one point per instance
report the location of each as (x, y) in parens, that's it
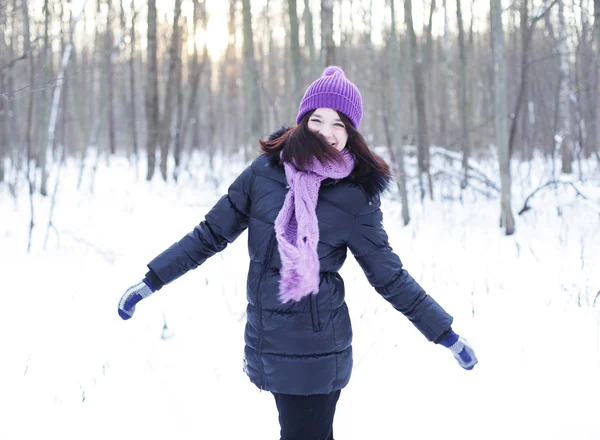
(369, 244)
(222, 225)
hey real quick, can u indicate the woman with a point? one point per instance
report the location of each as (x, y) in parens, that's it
(313, 194)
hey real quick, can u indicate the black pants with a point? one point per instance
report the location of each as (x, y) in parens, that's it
(306, 417)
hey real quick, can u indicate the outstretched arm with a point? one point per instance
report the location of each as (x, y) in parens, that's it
(368, 242)
(222, 225)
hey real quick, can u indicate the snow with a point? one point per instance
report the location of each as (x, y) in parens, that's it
(72, 369)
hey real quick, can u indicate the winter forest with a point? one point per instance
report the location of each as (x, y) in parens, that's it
(122, 122)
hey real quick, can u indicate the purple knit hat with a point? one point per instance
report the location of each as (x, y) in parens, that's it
(334, 91)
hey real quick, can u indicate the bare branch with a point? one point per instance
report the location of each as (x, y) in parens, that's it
(541, 15)
(12, 62)
(36, 87)
(526, 206)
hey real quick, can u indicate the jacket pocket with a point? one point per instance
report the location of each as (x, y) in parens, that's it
(314, 313)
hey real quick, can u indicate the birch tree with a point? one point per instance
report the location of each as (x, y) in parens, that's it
(500, 108)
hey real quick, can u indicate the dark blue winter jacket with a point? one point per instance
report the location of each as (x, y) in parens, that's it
(302, 347)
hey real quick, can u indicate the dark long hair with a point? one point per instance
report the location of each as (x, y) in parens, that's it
(300, 145)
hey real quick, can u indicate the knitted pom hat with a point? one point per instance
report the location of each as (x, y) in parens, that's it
(334, 91)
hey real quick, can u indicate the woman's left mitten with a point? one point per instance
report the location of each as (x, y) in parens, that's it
(132, 296)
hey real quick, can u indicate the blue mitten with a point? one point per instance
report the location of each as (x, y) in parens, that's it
(460, 348)
(132, 296)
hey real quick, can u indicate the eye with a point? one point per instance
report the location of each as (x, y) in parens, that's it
(315, 120)
(339, 124)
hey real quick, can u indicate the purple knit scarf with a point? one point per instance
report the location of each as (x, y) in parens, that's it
(297, 229)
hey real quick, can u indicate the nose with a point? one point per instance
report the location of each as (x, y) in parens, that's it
(326, 131)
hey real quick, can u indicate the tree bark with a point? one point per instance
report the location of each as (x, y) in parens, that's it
(132, 84)
(43, 153)
(500, 107)
(419, 93)
(152, 110)
(54, 107)
(112, 145)
(252, 80)
(328, 55)
(177, 145)
(398, 157)
(597, 25)
(199, 16)
(309, 39)
(464, 103)
(564, 115)
(3, 104)
(295, 51)
(165, 139)
(29, 124)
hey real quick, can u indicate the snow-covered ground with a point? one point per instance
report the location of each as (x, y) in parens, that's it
(70, 368)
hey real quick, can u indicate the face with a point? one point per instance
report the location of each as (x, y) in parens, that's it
(327, 122)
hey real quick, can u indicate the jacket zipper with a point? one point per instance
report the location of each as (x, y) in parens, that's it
(263, 272)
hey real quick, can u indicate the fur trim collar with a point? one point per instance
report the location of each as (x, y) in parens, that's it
(373, 185)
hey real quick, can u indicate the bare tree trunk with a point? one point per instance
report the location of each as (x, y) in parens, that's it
(594, 134)
(328, 56)
(445, 77)
(43, 153)
(419, 93)
(597, 25)
(565, 131)
(56, 97)
(501, 123)
(464, 103)
(94, 103)
(272, 75)
(53, 116)
(295, 49)
(13, 137)
(526, 33)
(132, 84)
(152, 110)
(199, 15)
(428, 66)
(165, 138)
(179, 115)
(399, 157)
(309, 39)
(3, 103)
(29, 124)
(252, 80)
(112, 147)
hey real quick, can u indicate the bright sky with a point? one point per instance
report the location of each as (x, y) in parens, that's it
(216, 34)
